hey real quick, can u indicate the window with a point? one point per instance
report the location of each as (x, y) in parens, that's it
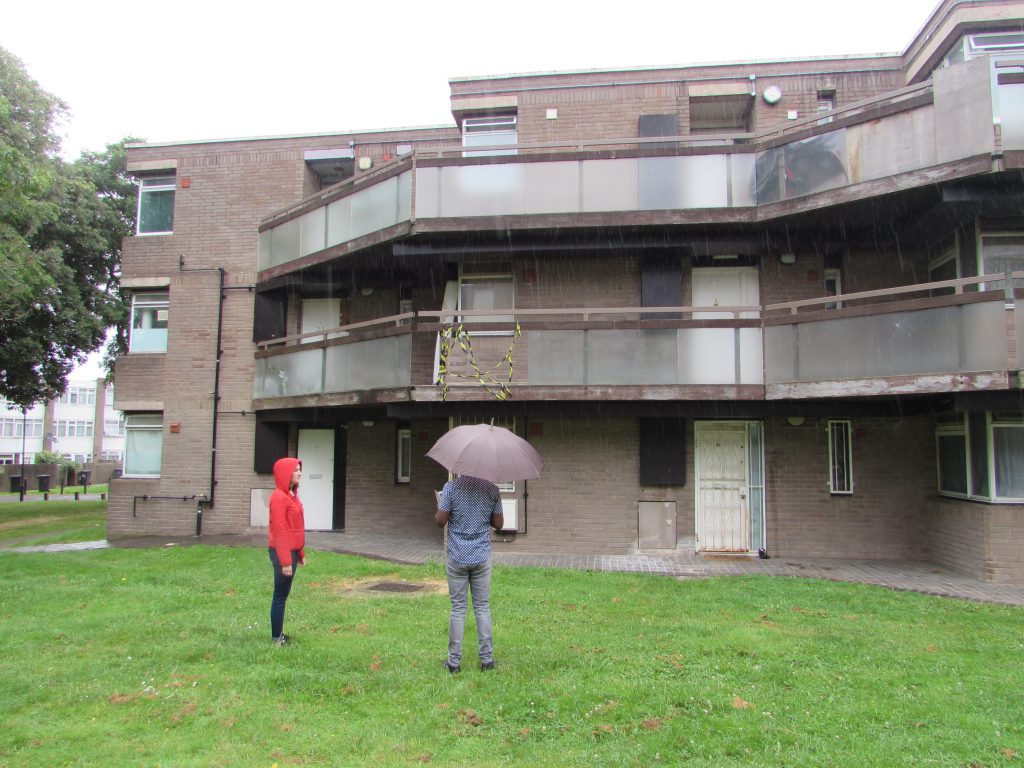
(108, 395)
(13, 426)
(149, 322)
(113, 427)
(74, 428)
(833, 287)
(143, 445)
(981, 456)
(485, 292)
(79, 396)
(6, 458)
(403, 458)
(840, 458)
(156, 206)
(945, 266)
(493, 130)
(826, 103)
(112, 456)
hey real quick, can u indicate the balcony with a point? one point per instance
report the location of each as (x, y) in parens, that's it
(916, 136)
(950, 336)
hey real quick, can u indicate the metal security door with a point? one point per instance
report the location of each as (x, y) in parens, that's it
(723, 481)
(316, 489)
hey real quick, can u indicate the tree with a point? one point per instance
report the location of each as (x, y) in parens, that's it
(61, 226)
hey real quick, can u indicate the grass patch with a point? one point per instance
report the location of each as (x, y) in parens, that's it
(161, 657)
(30, 523)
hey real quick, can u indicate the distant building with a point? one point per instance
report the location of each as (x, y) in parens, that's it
(765, 305)
(81, 425)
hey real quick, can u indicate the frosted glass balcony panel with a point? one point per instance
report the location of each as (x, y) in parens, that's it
(373, 364)
(697, 181)
(971, 337)
(405, 196)
(1011, 115)
(632, 357)
(611, 185)
(339, 221)
(741, 179)
(482, 190)
(284, 243)
(297, 373)
(311, 231)
(551, 187)
(707, 356)
(375, 207)
(266, 257)
(428, 194)
(556, 357)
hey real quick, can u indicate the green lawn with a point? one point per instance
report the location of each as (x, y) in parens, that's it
(161, 657)
(29, 523)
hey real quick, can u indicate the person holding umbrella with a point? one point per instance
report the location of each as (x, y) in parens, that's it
(469, 506)
(481, 455)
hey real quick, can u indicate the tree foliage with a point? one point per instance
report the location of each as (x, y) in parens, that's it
(61, 226)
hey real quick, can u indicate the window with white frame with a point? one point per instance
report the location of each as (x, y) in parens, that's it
(833, 287)
(111, 456)
(403, 457)
(981, 456)
(17, 427)
(840, 457)
(150, 312)
(1002, 252)
(79, 396)
(108, 395)
(490, 131)
(113, 427)
(487, 292)
(156, 206)
(143, 446)
(74, 428)
(7, 458)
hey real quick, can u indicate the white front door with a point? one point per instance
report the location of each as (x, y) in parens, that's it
(724, 287)
(723, 487)
(316, 489)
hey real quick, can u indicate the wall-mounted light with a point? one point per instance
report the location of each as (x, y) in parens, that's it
(366, 291)
(367, 423)
(787, 258)
(795, 421)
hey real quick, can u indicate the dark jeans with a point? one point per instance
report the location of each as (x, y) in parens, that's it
(282, 586)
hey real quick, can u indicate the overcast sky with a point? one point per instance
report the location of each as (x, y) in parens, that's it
(221, 69)
(224, 69)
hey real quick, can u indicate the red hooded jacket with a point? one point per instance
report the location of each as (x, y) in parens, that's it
(287, 522)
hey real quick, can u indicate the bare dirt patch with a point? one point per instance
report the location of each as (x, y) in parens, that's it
(390, 585)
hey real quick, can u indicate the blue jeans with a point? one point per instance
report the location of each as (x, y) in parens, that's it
(282, 587)
(461, 580)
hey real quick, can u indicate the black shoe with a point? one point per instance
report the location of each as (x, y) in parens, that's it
(453, 670)
(486, 665)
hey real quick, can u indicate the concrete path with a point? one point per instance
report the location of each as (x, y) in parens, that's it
(912, 576)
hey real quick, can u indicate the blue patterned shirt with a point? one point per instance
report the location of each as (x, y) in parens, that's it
(470, 503)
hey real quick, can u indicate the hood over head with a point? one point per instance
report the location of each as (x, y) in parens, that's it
(283, 470)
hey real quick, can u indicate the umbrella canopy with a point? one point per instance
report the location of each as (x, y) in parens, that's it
(489, 452)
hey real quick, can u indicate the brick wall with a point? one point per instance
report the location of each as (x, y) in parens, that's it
(374, 502)
(884, 518)
(982, 540)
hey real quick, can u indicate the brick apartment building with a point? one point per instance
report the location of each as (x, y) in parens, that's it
(757, 305)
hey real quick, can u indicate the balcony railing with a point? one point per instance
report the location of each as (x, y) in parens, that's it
(950, 335)
(947, 119)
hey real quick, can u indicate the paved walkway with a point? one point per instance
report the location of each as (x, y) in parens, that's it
(903, 575)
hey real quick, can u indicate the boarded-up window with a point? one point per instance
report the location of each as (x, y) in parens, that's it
(271, 444)
(269, 315)
(662, 451)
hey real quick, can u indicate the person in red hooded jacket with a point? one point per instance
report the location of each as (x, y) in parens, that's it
(287, 539)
